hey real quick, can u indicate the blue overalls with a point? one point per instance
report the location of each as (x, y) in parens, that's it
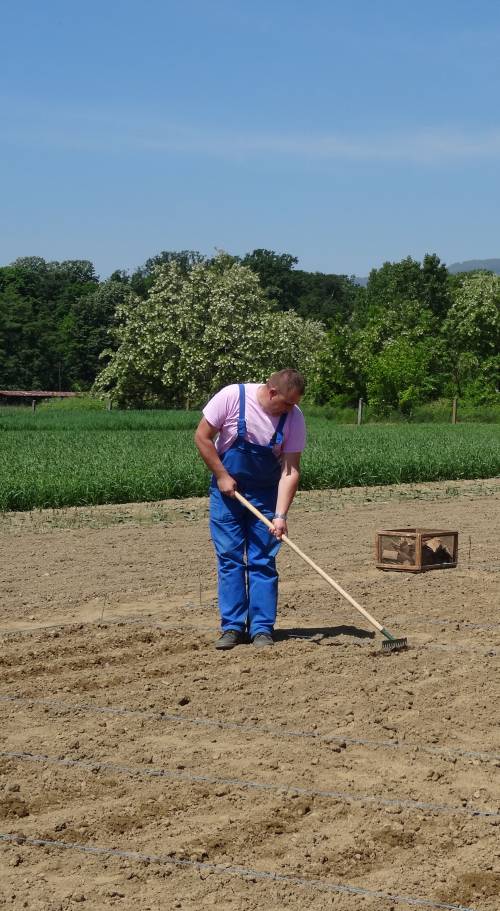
(245, 549)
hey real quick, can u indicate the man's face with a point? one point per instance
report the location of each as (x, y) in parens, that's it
(281, 403)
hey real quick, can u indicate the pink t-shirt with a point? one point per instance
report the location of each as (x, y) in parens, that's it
(223, 409)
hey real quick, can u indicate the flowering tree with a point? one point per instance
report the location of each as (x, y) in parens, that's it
(291, 341)
(472, 329)
(198, 331)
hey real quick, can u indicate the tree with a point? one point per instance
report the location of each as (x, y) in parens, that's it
(333, 299)
(120, 275)
(143, 278)
(198, 331)
(435, 285)
(400, 376)
(18, 339)
(402, 311)
(426, 284)
(333, 376)
(472, 330)
(276, 275)
(36, 299)
(313, 295)
(87, 330)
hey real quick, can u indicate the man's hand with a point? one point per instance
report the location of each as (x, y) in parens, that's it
(226, 484)
(279, 528)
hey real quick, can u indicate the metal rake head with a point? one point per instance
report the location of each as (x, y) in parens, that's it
(394, 645)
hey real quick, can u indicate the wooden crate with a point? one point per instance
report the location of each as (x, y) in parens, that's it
(416, 550)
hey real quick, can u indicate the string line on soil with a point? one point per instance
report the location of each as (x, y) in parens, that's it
(96, 765)
(443, 647)
(73, 624)
(294, 633)
(251, 728)
(417, 621)
(438, 621)
(222, 870)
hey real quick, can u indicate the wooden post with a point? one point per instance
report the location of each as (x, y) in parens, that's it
(454, 411)
(360, 412)
(108, 405)
(33, 405)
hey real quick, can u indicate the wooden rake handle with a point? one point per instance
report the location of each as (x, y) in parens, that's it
(311, 563)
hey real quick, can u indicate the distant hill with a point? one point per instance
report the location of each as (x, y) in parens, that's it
(491, 265)
(469, 265)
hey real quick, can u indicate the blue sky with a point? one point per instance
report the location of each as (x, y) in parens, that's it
(346, 134)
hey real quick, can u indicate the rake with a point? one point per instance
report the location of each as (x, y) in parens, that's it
(391, 643)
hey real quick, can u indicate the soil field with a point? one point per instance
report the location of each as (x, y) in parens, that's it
(141, 769)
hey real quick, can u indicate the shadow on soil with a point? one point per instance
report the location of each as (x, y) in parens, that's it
(322, 632)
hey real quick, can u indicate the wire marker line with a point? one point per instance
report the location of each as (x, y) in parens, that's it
(191, 627)
(443, 647)
(437, 621)
(251, 728)
(221, 870)
(420, 621)
(73, 624)
(96, 765)
(102, 624)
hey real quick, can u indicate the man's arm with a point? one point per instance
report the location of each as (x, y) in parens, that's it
(204, 439)
(289, 482)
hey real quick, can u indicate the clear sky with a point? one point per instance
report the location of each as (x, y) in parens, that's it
(344, 133)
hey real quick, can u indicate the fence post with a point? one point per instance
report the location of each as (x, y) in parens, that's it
(360, 412)
(454, 411)
(33, 405)
(108, 404)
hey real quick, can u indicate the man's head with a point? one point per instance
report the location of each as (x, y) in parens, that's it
(284, 389)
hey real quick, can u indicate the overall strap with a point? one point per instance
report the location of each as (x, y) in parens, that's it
(277, 437)
(242, 426)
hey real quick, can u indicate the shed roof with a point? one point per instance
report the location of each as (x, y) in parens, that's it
(36, 394)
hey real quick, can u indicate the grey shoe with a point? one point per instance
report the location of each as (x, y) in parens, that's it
(229, 639)
(263, 640)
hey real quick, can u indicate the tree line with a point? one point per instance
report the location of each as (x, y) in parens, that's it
(183, 324)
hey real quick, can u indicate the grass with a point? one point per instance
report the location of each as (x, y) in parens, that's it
(67, 421)
(56, 458)
(438, 412)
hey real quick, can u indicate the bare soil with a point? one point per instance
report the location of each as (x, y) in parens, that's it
(141, 769)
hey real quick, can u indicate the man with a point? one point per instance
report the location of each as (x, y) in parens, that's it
(260, 433)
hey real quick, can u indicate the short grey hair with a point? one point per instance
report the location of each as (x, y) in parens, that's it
(287, 380)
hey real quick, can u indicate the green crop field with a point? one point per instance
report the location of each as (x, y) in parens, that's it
(54, 458)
